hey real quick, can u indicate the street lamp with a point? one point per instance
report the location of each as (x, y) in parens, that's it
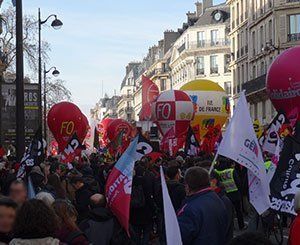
(55, 73)
(20, 122)
(56, 24)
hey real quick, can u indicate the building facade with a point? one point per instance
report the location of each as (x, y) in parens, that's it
(203, 49)
(260, 30)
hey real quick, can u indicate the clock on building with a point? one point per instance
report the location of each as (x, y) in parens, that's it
(218, 16)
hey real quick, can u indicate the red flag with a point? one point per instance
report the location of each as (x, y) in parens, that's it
(150, 92)
(72, 150)
(170, 143)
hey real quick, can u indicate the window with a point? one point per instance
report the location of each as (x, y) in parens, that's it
(294, 31)
(226, 63)
(270, 31)
(200, 38)
(242, 74)
(253, 72)
(255, 111)
(200, 65)
(213, 64)
(233, 20)
(233, 48)
(253, 43)
(128, 92)
(263, 109)
(242, 10)
(227, 87)
(261, 35)
(262, 68)
(238, 79)
(214, 37)
(238, 11)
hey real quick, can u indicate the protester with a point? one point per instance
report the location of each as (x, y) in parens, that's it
(82, 197)
(175, 188)
(68, 231)
(143, 205)
(46, 197)
(7, 218)
(230, 179)
(203, 218)
(18, 191)
(294, 235)
(35, 225)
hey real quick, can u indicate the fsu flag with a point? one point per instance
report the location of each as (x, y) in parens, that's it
(34, 154)
(119, 182)
(73, 149)
(150, 92)
(191, 144)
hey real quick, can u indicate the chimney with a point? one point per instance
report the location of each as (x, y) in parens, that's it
(207, 4)
(199, 9)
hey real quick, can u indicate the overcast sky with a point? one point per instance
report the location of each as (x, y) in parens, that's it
(100, 37)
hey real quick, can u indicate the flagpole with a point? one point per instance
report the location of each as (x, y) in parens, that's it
(213, 163)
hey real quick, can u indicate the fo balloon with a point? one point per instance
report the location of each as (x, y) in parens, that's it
(211, 104)
(173, 109)
(283, 81)
(65, 119)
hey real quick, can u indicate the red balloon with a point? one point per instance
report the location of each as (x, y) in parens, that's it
(64, 119)
(283, 81)
(174, 110)
(116, 126)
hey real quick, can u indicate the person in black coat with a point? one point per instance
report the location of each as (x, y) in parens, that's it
(143, 207)
(82, 197)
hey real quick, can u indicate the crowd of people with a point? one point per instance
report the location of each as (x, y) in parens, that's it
(69, 206)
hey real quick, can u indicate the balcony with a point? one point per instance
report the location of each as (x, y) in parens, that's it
(295, 36)
(293, 1)
(255, 85)
(129, 109)
(203, 44)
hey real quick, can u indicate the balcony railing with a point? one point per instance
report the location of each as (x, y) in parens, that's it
(209, 43)
(214, 70)
(254, 85)
(181, 48)
(293, 1)
(294, 37)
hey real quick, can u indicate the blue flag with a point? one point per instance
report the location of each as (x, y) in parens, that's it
(30, 189)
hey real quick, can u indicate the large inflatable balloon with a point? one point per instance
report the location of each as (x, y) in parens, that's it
(283, 81)
(211, 104)
(118, 125)
(173, 109)
(102, 128)
(64, 119)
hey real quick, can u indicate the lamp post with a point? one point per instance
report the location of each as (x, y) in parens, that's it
(56, 24)
(54, 73)
(20, 118)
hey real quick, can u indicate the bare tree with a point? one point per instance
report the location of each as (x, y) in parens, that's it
(56, 91)
(30, 34)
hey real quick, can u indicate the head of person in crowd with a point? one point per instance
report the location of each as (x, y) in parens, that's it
(66, 213)
(35, 220)
(97, 200)
(173, 172)
(77, 182)
(251, 238)
(8, 209)
(46, 197)
(56, 169)
(18, 191)
(196, 179)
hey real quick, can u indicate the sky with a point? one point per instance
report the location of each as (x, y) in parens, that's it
(100, 37)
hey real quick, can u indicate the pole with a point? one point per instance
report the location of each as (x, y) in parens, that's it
(213, 163)
(40, 69)
(45, 104)
(20, 118)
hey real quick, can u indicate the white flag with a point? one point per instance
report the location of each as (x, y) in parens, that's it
(171, 224)
(241, 145)
(240, 142)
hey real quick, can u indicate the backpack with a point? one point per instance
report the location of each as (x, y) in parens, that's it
(137, 197)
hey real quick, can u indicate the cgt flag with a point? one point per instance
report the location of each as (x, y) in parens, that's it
(119, 182)
(34, 154)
